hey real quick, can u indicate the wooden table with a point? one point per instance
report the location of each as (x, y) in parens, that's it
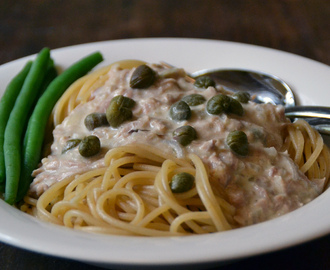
(297, 26)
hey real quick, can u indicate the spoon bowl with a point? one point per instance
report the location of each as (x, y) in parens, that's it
(267, 88)
(263, 87)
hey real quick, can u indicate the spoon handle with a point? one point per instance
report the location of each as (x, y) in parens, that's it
(316, 116)
(308, 112)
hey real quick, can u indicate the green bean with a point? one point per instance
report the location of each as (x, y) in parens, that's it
(6, 105)
(17, 122)
(51, 74)
(37, 124)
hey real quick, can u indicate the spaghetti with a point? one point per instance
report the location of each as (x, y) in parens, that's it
(129, 194)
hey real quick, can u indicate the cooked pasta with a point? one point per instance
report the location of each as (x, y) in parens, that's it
(131, 196)
(129, 193)
(307, 149)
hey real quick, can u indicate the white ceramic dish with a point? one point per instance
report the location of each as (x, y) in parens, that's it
(308, 78)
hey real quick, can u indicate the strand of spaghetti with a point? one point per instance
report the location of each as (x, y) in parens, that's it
(192, 201)
(188, 194)
(143, 181)
(206, 194)
(146, 190)
(308, 151)
(322, 168)
(125, 216)
(80, 187)
(226, 206)
(145, 167)
(48, 196)
(186, 217)
(73, 194)
(318, 146)
(293, 136)
(30, 201)
(91, 198)
(127, 160)
(72, 102)
(59, 208)
(126, 205)
(297, 139)
(152, 215)
(126, 226)
(83, 178)
(140, 210)
(29, 204)
(135, 175)
(148, 203)
(60, 110)
(167, 215)
(105, 230)
(95, 183)
(112, 174)
(73, 214)
(161, 227)
(150, 199)
(86, 90)
(162, 185)
(121, 151)
(324, 165)
(149, 152)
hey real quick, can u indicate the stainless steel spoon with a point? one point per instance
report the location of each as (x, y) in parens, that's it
(266, 88)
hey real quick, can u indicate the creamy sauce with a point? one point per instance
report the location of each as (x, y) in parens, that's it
(263, 185)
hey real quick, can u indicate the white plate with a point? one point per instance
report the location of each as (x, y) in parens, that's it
(309, 79)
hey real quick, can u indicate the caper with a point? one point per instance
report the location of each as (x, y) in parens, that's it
(242, 96)
(123, 101)
(218, 104)
(235, 107)
(89, 146)
(194, 99)
(95, 120)
(180, 111)
(70, 144)
(182, 182)
(204, 82)
(184, 135)
(238, 142)
(142, 77)
(119, 110)
(119, 116)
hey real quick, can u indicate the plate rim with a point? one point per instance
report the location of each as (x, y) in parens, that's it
(157, 260)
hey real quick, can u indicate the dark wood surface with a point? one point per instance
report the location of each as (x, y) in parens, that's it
(298, 26)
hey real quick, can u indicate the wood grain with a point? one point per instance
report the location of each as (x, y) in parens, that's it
(297, 26)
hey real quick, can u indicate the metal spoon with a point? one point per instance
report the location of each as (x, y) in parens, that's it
(266, 88)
